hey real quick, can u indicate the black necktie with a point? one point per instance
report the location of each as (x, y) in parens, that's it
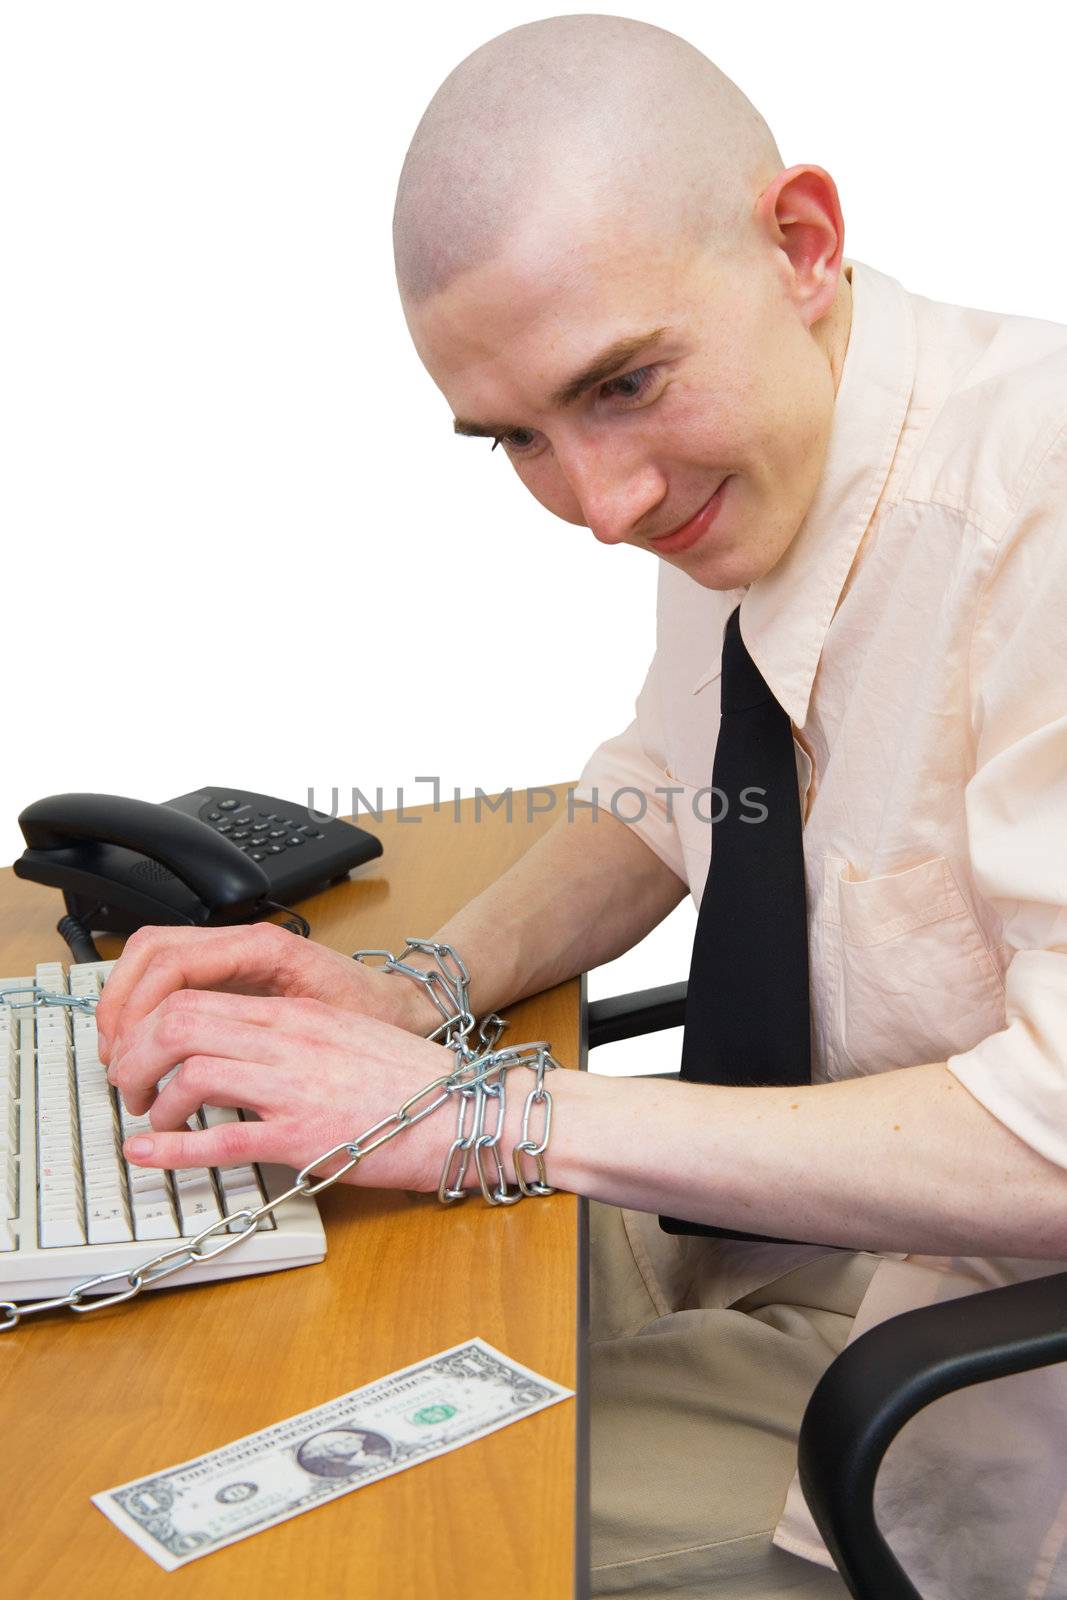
(747, 1015)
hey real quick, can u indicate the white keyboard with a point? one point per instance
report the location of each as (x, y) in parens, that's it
(70, 1206)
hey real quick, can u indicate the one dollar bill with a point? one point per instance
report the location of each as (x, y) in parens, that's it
(421, 1411)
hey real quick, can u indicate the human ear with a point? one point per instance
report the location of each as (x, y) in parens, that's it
(799, 212)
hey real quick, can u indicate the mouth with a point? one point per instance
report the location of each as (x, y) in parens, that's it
(683, 537)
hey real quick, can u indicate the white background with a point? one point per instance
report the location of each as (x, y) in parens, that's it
(241, 542)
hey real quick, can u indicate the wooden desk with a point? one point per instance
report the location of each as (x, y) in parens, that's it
(89, 1402)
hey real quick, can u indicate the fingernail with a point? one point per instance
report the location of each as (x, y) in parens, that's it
(138, 1147)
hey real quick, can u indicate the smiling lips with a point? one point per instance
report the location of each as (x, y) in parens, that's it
(689, 532)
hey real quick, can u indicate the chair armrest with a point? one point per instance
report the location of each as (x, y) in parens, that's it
(626, 1016)
(881, 1380)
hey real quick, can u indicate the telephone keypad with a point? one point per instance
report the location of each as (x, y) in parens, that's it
(259, 834)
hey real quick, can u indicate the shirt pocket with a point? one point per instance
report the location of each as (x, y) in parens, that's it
(912, 979)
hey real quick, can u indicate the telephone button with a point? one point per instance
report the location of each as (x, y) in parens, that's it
(229, 805)
(224, 827)
(257, 855)
(295, 839)
(276, 849)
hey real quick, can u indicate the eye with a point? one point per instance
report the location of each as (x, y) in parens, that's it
(636, 383)
(629, 386)
(513, 441)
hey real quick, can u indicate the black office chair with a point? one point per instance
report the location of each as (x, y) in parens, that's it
(884, 1377)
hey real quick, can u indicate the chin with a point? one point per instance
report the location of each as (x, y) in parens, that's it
(732, 565)
(733, 569)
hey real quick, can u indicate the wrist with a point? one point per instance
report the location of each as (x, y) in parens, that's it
(409, 1004)
(515, 1112)
(399, 997)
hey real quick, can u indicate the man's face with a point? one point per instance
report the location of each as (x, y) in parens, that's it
(735, 391)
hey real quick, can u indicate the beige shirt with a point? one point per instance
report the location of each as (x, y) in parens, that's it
(916, 632)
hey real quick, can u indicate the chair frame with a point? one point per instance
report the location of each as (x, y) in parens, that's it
(886, 1375)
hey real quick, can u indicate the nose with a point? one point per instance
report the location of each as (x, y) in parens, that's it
(615, 491)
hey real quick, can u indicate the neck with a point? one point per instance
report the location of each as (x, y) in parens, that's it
(839, 326)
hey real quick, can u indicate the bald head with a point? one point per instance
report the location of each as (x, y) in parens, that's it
(593, 121)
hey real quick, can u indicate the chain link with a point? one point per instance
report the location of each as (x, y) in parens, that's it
(447, 984)
(478, 1078)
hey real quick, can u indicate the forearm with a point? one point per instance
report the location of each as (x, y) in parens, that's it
(901, 1161)
(584, 893)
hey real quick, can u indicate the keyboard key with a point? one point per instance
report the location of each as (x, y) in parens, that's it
(108, 1221)
(213, 1116)
(241, 1192)
(153, 1216)
(198, 1203)
(61, 1227)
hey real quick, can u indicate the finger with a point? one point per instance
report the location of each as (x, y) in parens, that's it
(171, 1038)
(299, 1020)
(264, 1011)
(260, 1012)
(288, 1014)
(157, 961)
(230, 1144)
(211, 1081)
(143, 946)
(264, 1028)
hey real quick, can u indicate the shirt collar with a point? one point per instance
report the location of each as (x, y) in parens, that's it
(785, 615)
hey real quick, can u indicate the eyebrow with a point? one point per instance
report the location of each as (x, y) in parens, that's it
(603, 366)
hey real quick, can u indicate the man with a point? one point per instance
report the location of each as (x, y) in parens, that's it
(605, 266)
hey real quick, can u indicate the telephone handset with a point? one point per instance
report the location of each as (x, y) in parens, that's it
(214, 856)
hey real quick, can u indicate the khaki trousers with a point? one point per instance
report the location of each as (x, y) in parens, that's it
(694, 1419)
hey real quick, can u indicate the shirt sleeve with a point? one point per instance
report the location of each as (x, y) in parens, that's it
(626, 778)
(1016, 814)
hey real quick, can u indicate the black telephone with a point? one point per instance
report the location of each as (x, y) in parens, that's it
(210, 857)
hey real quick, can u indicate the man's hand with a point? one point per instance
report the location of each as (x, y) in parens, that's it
(314, 1074)
(250, 959)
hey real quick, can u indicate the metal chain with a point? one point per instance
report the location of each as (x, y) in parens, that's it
(448, 985)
